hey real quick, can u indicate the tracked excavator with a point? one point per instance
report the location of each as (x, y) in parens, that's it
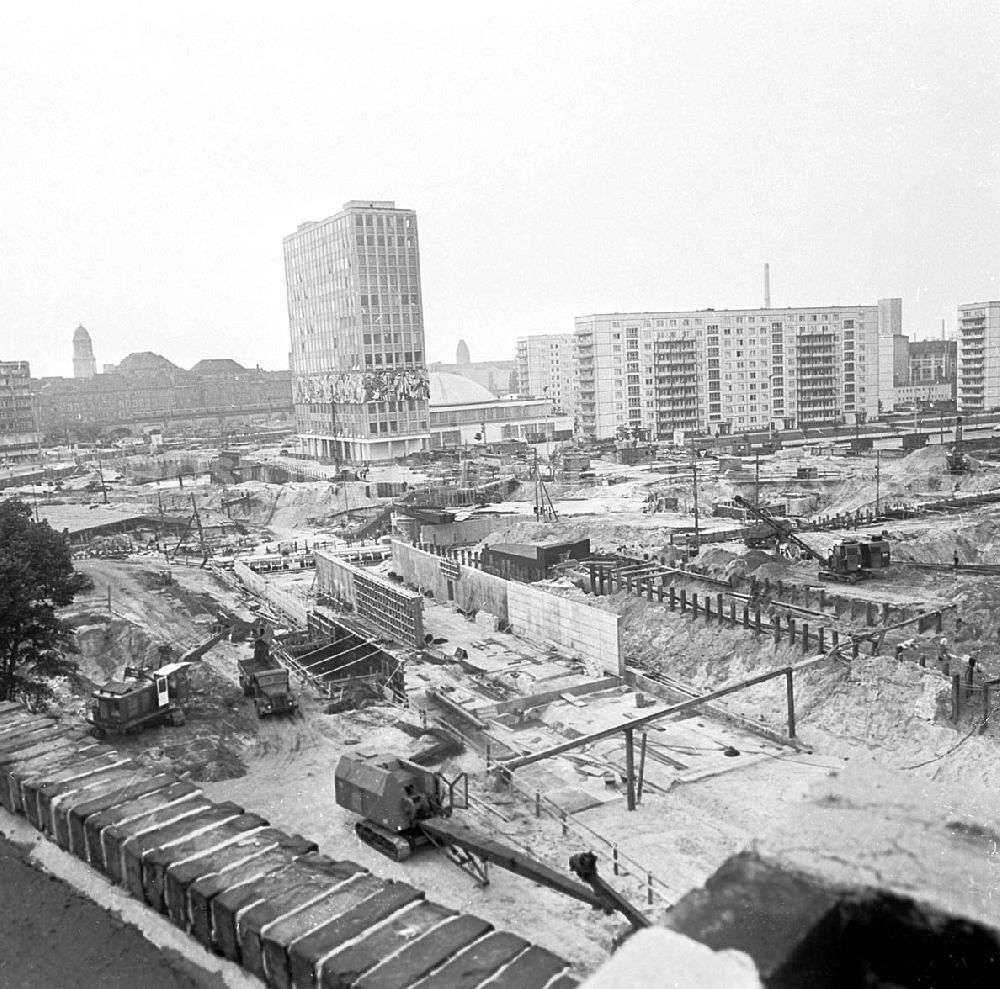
(849, 561)
(404, 806)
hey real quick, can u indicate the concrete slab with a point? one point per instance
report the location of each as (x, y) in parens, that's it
(346, 965)
(96, 824)
(477, 963)
(181, 875)
(425, 954)
(276, 937)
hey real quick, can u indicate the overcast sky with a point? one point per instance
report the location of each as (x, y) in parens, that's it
(563, 159)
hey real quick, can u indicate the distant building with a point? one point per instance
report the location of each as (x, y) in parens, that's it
(355, 315)
(978, 357)
(18, 430)
(545, 369)
(733, 370)
(147, 387)
(933, 361)
(84, 364)
(464, 413)
(499, 377)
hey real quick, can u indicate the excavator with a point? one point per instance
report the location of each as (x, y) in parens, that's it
(404, 805)
(849, 561)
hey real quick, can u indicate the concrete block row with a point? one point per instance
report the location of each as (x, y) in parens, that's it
(262, 898)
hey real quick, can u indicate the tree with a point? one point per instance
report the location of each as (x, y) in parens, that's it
(36, 578)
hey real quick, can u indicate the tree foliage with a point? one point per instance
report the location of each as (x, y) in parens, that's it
(36, 579)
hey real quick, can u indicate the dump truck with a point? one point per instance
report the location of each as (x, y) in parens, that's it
(264, 679)
(143, 699)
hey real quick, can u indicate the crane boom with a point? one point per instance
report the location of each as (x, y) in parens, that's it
(783, 530)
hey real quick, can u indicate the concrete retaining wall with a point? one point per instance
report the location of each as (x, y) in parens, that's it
(395, 610)
(289, 605)
(473, 590)
(457, 533)
(592, 632)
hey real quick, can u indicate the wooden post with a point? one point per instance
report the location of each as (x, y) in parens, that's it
(986, 704)
(642, 768)
(614, 859)
(673, 598)
(538, 804)
(805, 637)
(659, 593)
(822, 639)
(956, 695)
(746, 617)
(732, 613)
(629, 769)
(684, 600)
(756, 620)
(694, 603)
(791, 630)
(593, 580)
(937, 626)
(777, 629)
(835, 636)
(790, 697)
(718, 601)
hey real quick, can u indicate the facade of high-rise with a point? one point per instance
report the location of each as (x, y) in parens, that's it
(355, 314)
(731, 370)
(84, 364)
(545, 368)
(18, 430)
(978, 357)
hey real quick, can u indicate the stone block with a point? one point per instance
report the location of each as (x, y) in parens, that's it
(164, 837)
(346, 965)
(534, 969)
(203, 892)
(426, 954)
(95, 824)
(53, 807)
(17, 768)
(80, 808)
(304, 880)
(37, 792)
(477, 963)
(113, 837)
(181, 875)
(353, 907)
(292, 959)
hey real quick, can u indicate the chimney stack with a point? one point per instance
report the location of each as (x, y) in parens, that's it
(767, 285)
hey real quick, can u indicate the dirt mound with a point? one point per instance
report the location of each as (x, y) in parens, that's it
(107, 647)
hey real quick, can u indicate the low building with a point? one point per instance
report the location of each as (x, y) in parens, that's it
(464, 413)
(18, 428)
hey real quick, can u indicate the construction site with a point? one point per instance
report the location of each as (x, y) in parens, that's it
(451, 676)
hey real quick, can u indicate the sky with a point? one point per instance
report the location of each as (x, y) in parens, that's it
(563, 159)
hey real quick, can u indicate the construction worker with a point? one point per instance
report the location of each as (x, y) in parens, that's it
(955, 559)
(944, 661)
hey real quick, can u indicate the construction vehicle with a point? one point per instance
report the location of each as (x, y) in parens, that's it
(849, 561)
(264, 679)
(956, 460)
(142, 699)
(404, 806)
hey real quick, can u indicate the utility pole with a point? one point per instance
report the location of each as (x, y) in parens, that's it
(756, 479)
(694, 481)
(878, 476)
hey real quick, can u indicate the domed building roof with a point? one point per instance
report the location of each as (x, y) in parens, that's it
(80, 333)
(453, 389)
(145, 362)
(218, 365)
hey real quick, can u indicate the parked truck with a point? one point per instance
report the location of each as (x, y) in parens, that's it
(264, 679)
(143, 699)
